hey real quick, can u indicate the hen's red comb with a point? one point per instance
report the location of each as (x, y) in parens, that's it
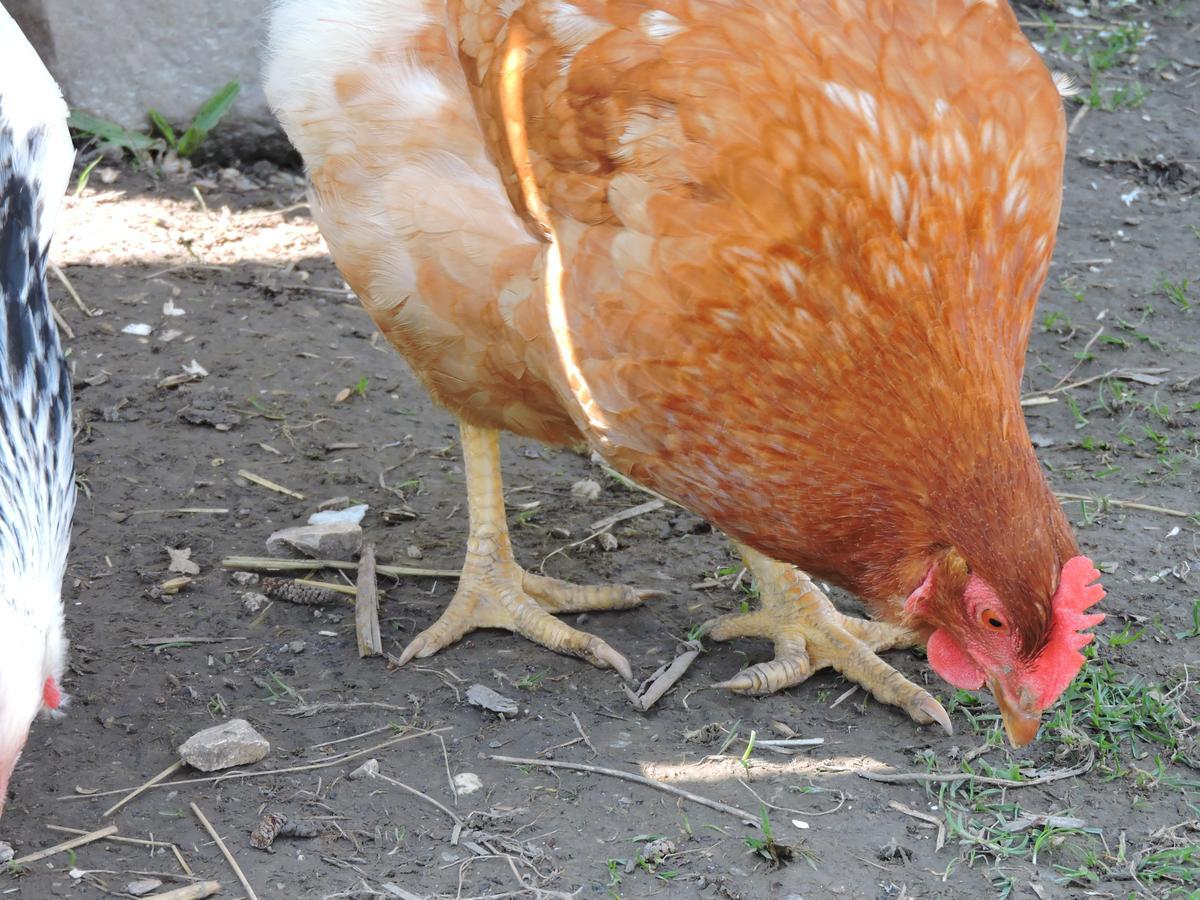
(1060, 660)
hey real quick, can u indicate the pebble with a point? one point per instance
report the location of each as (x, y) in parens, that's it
(369, 769)
(232, 743)
(143, 887)
(586, 490)
(6, 853)
(483, 696)
(253, 602)
(467, 783)
(352, 515)
(333, 540)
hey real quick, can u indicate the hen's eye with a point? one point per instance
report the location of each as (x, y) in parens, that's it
(992, 620)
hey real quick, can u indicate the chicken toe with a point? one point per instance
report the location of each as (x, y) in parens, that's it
(810, 634)
(495, 592)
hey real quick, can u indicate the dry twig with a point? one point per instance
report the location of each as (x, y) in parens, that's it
(270, 564)
(233, 863)
(116, 838)
(366, 606)
(309, 767)
(197, 891)
(269, 484)
(924, 817)
(88, 838)
(654, 687)
(924, 778)
(169, 770)
(746, 817)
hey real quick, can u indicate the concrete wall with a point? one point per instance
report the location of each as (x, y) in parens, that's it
(117, 59)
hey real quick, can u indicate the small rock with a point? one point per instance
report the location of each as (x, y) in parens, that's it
(245, 578)
(608, 543)
(369, 769)
(586, 490)
(137, 329)
(253, 602)
(232, 743)
(6, 853)
(483, 696)
(143, 887)
(413, 552)
(352, 515)
(654, 852)
(334, 540)
(467, 783)
(297, 646)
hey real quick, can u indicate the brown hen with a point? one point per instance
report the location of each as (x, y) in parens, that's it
(777, 261)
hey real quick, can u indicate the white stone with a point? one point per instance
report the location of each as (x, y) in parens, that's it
(232, 743)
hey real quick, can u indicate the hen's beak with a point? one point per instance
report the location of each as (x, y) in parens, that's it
(1021, 718)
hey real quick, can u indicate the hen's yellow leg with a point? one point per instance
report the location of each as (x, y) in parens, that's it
(810, 634)
(494, 592)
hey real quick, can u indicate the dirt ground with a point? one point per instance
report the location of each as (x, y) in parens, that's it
(230, 274)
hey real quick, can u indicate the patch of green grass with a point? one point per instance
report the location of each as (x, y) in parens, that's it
(531, 682)
(1195, 630)
(1123, 96)
(1116, 47)
(109, 136)
(1122, 714)
(1177, 292)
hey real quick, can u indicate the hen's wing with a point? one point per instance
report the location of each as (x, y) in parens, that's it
(776, 219)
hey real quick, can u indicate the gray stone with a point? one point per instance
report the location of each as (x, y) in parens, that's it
(483, 696)
(232, 743)
(6, 853)
(335, 540)
(118, 60)
(143, 887)
(369, 769)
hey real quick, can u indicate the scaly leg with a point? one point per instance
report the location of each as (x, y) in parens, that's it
(494, 592)
(810, 634)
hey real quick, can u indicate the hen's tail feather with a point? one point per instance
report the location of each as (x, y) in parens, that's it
(37, 494)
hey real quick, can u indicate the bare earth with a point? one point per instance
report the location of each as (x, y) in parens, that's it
(1116, 348)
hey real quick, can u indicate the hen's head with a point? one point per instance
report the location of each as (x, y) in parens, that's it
(32, 654)
(980, 638)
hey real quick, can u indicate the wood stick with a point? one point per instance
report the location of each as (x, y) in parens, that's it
(432, 802)
(924, 817)
(197, 891)
(169, 770)
(270, 564)
(187, 870)
(641, 509)
(346, 589)
(664, 682)
(233, 863)
(62, 277)
(269, 484)
(923, 778)
(262, 773)
(746, 817)
(1125, 504)
(366, 605)
(88, 838)
(63, 325)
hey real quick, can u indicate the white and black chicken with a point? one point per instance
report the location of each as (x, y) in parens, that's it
(37, 475)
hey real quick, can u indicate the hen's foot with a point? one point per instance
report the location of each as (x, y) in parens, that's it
(495, 592)
(810, 634)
